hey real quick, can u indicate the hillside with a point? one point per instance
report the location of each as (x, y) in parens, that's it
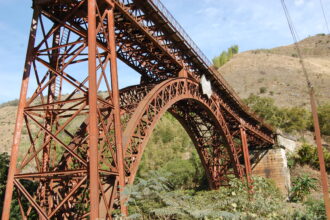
(276, 72)
(7, 123)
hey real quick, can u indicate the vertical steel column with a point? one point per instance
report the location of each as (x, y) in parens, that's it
(20, 117)
(92, 100)
(324, 176)
(116, 105)
(248, 170)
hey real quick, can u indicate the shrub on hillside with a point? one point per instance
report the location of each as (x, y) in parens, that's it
(154, 199)
(324, 117)
(312, 209)
(186, 174)
(262, 90)
(307, 155)
(296, 119)
(288, 119)
(301, 187)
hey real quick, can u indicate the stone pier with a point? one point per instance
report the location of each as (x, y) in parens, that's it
(274, 164)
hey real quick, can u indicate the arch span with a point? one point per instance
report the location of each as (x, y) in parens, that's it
(200, 116)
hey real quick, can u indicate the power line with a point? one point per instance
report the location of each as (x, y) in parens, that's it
(325, 17)
(295, 40)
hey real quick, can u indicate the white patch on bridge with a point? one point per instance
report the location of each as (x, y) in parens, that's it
(206, 86)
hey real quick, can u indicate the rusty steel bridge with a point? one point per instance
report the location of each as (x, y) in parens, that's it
(85, 146)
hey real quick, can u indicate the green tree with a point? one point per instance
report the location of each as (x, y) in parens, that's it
(265, 108)
(225, 56)
(230, 53)
(288, 119)
(216, 61)
(235, 49)
(170, 149)
(297, 119)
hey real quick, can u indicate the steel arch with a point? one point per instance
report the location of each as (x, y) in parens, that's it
(173, 95)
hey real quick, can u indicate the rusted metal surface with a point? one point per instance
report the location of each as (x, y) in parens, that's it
(84, 147)
(324, 176)
(93, 118)
(19, 118)
(247, 163)
(116, 107)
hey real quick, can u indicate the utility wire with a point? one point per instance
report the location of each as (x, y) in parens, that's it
(325, 17)
(295, 40)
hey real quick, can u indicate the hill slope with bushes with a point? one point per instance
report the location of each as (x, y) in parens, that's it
(276, 72)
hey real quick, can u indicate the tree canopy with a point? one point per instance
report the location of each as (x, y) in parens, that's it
(225, 56)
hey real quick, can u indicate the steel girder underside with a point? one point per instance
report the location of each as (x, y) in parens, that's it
(85, 145)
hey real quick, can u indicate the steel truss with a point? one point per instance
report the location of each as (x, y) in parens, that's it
(85, 146)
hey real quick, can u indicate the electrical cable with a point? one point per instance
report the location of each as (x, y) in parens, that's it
(295, 40)
(324, 16)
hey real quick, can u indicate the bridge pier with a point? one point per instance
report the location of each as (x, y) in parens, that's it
(273, 164)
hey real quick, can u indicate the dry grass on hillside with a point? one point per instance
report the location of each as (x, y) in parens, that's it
(7, 123)
(277, 72)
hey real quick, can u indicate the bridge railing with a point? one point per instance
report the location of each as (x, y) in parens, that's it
(190, 43)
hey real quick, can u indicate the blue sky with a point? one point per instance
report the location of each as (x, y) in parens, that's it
(213, 24)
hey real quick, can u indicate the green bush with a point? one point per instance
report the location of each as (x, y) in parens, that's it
(296, 119)
(28, 185)
(186, 174)
(262, 90)
(301, 187)
(288, 119)
(312, 209)
(324, 117)
(155, 199)
(4, 161)
(170, 149)
(307, 155)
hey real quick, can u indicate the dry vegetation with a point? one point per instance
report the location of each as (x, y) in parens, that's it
(7, 123)
(276, 72)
